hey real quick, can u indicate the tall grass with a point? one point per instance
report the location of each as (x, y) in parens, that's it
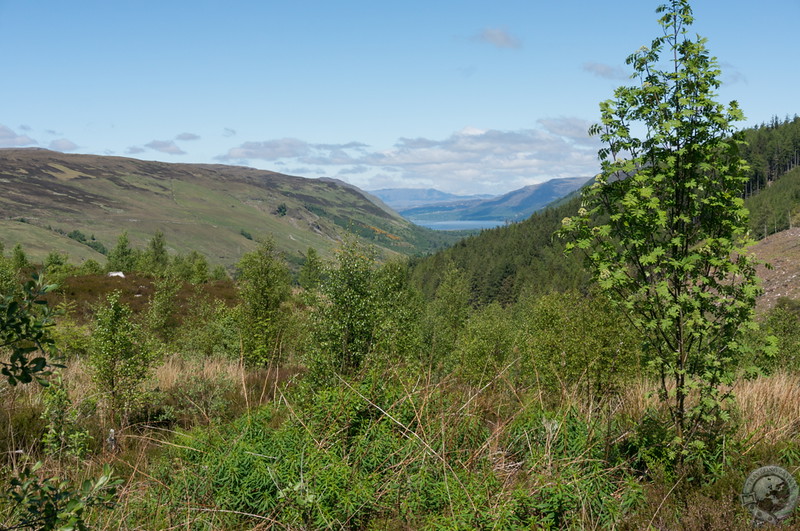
(399, 449)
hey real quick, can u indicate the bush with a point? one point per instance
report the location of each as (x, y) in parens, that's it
(63, 435)
(568, 340)
(575, 472)
(264, 284)
(120, 359)
(210, 328)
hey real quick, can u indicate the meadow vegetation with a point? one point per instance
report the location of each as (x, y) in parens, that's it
(357, 402)
(362, 393)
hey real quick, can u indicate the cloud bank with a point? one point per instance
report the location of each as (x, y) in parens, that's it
(9, 138)
(468, 161)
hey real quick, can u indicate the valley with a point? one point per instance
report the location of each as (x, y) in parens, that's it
(219, 211)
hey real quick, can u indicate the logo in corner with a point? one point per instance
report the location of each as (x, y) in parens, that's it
(770, 494)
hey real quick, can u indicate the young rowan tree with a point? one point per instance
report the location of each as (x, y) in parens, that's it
(119, 359)
(664, 227)
(344, 331)
(264, 284)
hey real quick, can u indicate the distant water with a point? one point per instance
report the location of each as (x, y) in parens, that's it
(461, 225)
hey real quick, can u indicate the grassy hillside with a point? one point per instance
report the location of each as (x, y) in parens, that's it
(214, 209)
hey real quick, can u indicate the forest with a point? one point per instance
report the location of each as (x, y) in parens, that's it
(599, 365)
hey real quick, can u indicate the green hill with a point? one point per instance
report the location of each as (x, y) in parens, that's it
(776, 207)
(217, 210)
(501, 263)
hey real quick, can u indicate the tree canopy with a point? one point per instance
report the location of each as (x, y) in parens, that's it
(664, 226)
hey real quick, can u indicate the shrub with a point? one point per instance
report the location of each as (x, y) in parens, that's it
(120, 360)
(568, 340)
(210, 328)
(63, 435)
(264, 284)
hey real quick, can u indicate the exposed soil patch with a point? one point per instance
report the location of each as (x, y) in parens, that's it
(782, 251)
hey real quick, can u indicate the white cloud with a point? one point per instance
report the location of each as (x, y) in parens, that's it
(165, 146)
(187, 137)
(491, 161)
(228, 132)
(606, 71)
(271, 150)
(64, 145)
(9, 138)
(134, 150)
(499, 38)
(298, 150)
(471, 160)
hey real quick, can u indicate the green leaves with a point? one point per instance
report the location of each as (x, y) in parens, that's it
(663, 230)
(25, 320)
(120, 359)
(51, 503)
(264, 284)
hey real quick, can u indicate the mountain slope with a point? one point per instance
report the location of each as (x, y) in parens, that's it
(503, 262)
(775, 207)
(217, 210)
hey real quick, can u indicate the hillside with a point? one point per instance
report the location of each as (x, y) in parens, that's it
(504, 262)
(776, 206)
(782, 279)
(217, 210)
(513, 206)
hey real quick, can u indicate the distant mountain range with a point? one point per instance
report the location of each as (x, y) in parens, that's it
(431, 207)
(401, 199)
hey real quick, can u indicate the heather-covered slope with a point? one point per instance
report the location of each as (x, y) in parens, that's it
(217, 210)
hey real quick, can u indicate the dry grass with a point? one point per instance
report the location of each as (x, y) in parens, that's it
(770, 406)
(176, 368)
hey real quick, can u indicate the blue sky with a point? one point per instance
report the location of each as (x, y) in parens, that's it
(463, 96)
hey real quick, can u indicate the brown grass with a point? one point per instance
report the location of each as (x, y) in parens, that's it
(770, 406)
(85, 291)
